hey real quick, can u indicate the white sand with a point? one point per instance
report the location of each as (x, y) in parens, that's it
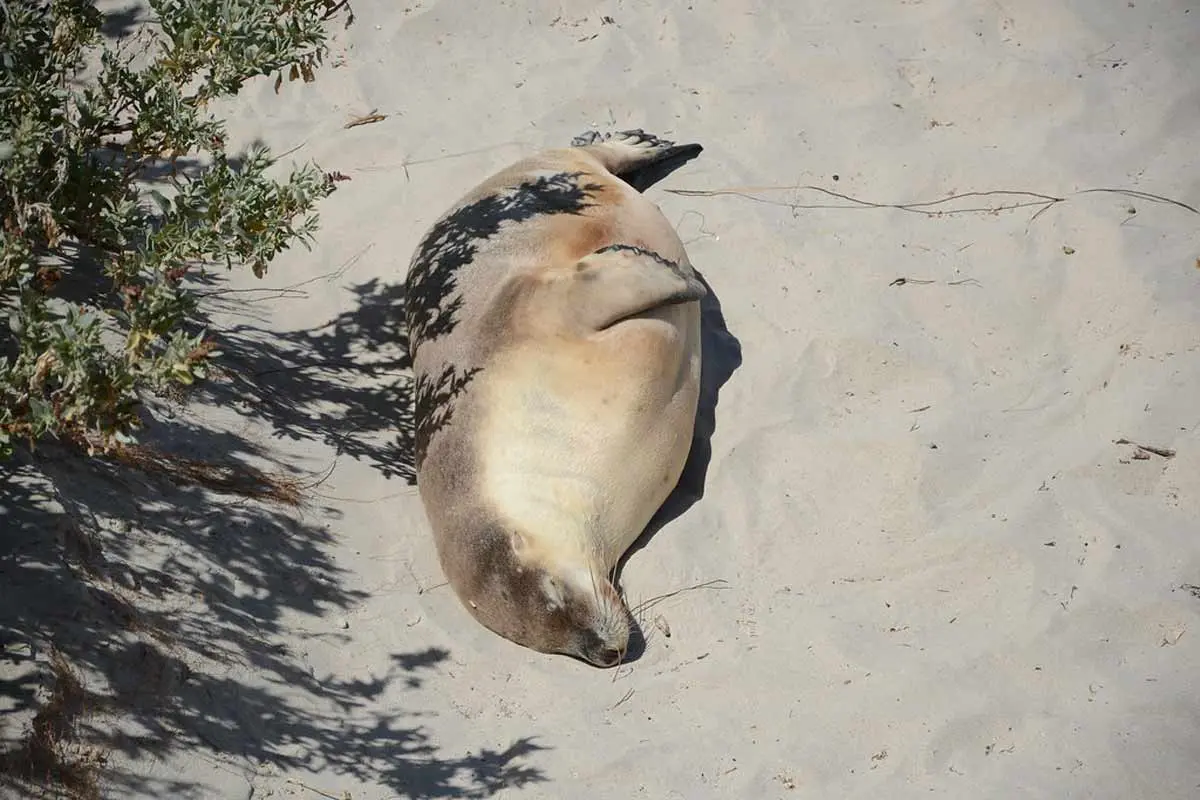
(976, 599)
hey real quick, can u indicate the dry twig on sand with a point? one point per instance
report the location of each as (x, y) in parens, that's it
(1158, 451)
(1010, 200)
(322, 792)
(229, 477)
(51, 754)
(366, 119)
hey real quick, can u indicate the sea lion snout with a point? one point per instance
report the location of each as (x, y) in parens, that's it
(603, 629)
(601, 654)
(546, 606)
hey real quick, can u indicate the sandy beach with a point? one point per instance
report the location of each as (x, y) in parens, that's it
(946, 539)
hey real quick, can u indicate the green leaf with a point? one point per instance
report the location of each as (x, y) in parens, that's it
(164, 205)
(68, 95)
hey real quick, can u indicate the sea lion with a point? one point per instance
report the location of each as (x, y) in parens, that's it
(554, 332)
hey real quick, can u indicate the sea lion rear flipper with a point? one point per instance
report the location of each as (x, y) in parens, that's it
(619, 281)
(640, 159)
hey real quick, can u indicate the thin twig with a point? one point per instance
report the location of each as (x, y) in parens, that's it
(628, 695)
(293, 289)
(1153, 198)
(278, 293)
(288, 152)
(921, 207)
(319, 481)
(366, 119)
(929, 208)
(1158, 451)
(318, 791)
(404, 165)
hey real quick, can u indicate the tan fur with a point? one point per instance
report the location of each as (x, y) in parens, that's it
(574, 430)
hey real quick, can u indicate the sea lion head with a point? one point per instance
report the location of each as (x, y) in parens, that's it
(548, 598)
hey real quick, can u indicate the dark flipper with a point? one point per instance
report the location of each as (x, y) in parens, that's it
(640, 159)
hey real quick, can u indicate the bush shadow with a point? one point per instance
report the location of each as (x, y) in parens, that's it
(177, 615)
(144, 617)
(124, 21)
(346, 383)
(721, 355)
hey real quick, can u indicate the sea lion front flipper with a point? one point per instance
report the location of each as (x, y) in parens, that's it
(619, 281)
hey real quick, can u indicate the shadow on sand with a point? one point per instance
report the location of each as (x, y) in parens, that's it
(140, 620)
(143, 617)
(720, 358)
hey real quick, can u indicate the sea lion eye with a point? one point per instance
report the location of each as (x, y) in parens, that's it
(553, 591)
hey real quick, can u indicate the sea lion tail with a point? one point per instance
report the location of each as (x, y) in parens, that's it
(640, 159)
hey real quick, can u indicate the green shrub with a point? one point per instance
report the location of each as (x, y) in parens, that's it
(117, 192)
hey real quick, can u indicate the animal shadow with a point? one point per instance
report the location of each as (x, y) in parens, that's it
(721, 355)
